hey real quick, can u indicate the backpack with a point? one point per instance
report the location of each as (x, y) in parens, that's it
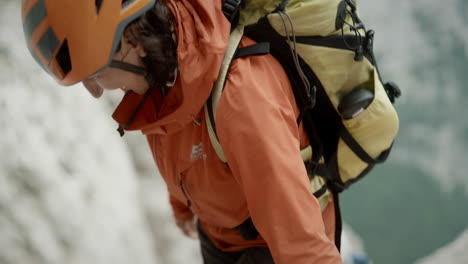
(348, 112)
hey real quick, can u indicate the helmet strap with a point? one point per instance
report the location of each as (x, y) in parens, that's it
(128, 67)
(121, 129)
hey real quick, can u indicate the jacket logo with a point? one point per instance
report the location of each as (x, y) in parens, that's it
(197, 152)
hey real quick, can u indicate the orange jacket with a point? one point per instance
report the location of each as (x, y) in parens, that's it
(265, 178)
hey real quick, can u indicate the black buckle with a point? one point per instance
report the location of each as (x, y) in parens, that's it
(393, 91)
(336, 186)
(370, 40)
(359, 53)
(312, 168)
(231, 9)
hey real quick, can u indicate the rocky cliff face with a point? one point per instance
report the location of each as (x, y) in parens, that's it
(71, 190)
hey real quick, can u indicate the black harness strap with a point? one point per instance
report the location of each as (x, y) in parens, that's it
(320, 191)
(338, 221)
(260, 48)
(345, 42)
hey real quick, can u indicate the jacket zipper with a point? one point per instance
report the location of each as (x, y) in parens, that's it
(181, 183)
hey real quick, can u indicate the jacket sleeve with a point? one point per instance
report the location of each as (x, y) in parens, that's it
(180, 210)
(256, 125)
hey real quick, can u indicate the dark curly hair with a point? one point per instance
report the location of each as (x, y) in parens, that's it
(155, 31)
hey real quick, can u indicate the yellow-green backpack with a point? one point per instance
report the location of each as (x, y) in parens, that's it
(327, 53)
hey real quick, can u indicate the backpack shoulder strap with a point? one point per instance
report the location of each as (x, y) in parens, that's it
(212, 104)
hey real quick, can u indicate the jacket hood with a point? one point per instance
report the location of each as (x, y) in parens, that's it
(203, 34)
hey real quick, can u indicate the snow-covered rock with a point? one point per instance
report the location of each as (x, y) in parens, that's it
(68, 190)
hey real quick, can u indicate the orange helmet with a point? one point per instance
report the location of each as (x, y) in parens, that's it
(73, 39)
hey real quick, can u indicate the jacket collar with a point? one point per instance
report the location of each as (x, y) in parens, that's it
(202, 36)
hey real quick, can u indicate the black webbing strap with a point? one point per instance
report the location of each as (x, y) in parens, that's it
(338, 221)
(359, 151)
(335, 188)
(128, 67)
(345, 42)
(260, 48)
(320, 191)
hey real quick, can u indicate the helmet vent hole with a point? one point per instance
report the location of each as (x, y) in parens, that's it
(126, 3)
(63, 58)
(98, 5)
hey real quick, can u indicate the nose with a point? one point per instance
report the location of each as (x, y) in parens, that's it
(93, 87)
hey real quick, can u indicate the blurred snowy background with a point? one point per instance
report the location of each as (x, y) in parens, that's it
(72, 191)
